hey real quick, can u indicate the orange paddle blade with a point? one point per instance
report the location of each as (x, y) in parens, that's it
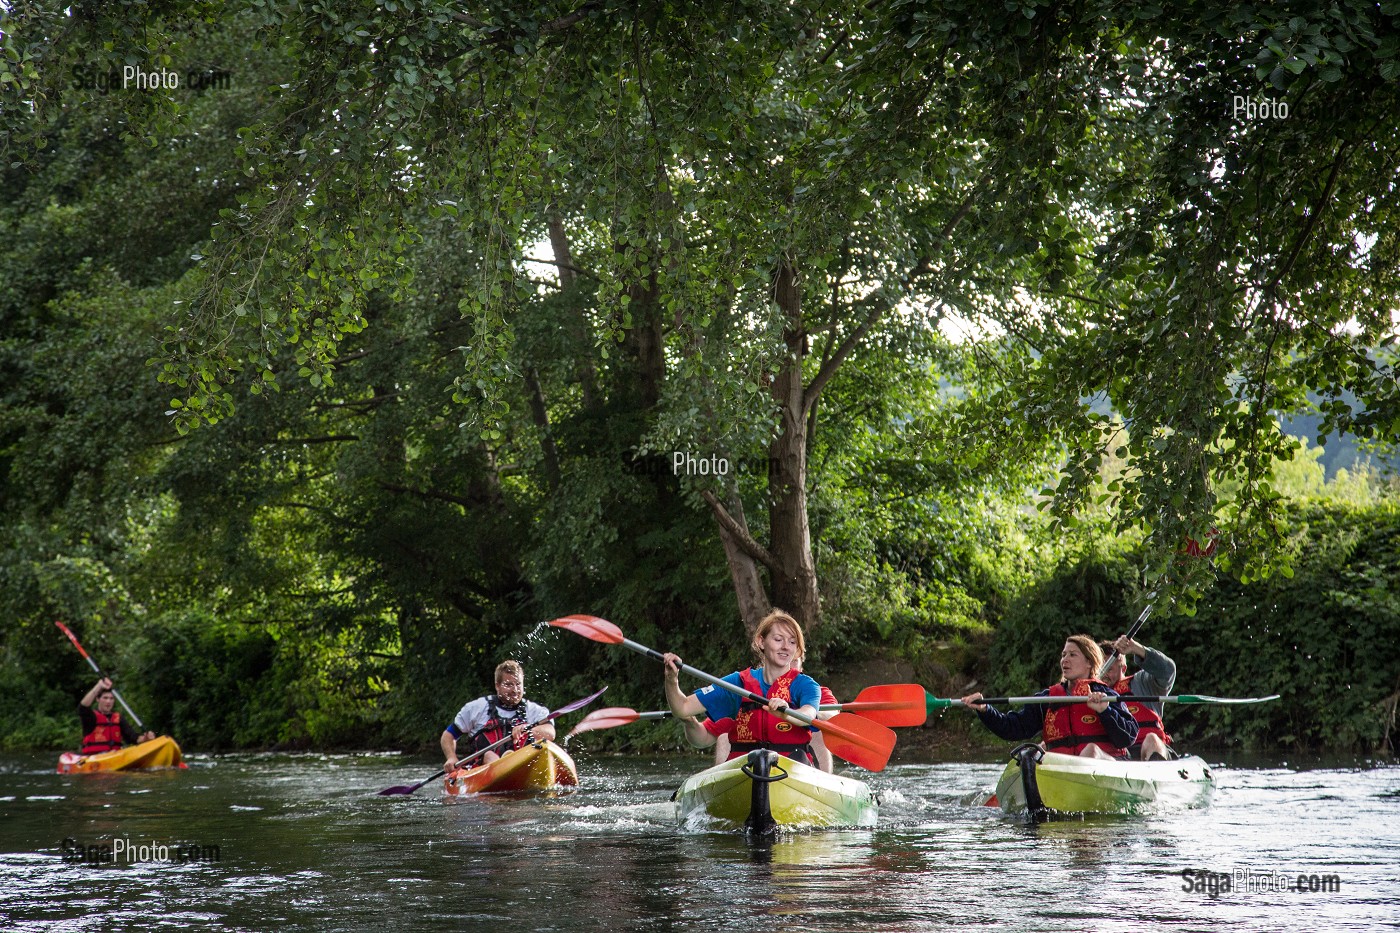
(891, 704)
(609, 718)
(858, 740)
(591, 627)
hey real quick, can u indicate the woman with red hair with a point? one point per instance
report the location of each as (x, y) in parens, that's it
(779, 645)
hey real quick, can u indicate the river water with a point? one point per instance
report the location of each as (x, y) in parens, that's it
(301, 842)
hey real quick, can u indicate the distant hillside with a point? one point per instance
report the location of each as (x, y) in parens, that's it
(1338, 452)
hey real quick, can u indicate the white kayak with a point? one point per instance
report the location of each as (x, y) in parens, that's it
(1036, 780)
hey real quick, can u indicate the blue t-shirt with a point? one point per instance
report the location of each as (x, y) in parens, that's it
(721, 704)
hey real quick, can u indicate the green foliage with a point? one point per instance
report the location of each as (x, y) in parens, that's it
(423, 447)
(1325, 639)
(219, 686)
(1095, 590)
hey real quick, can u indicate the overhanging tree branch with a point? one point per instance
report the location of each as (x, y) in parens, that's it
(922, 267)
(736, 531)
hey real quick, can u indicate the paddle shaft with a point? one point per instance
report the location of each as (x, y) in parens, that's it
(93, 664)
(720, 682)
(859, 705)
(1132, 633)
(1187, 699)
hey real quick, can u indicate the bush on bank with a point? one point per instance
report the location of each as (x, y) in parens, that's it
(1327, 640)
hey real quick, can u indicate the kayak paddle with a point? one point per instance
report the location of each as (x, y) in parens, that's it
(1132, 633)
(1185, 699)
(93, 664)
(857, 740)
(400, 789)
(612, 717)
(887, 704)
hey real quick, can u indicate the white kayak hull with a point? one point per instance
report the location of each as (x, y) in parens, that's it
(1075, 784)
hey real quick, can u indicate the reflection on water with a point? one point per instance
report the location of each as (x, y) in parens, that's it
(303, 843)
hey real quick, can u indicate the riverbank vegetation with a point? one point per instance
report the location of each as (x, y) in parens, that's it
(326, 384)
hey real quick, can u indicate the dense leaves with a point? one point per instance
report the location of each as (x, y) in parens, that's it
(1324, 639)
(444, 287)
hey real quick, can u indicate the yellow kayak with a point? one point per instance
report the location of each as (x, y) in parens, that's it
(160, 752)
(762, 791)
(532, 768)
(1038, 781)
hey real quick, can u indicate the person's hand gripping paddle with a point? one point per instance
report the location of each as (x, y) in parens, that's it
(858, 740)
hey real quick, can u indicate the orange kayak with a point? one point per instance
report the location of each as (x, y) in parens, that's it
(532, 768)
(160, 752)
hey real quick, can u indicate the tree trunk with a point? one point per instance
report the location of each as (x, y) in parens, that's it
(795, 572)
(540, 413)
(646, 340)
(743, 566)
(568, 277)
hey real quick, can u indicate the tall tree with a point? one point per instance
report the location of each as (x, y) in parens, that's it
(750, 198)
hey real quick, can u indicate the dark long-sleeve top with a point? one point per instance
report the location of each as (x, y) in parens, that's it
(1026, 723)
(89, 721)
(1156, 678)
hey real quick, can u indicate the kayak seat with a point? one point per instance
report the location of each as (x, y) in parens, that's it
(760, 768)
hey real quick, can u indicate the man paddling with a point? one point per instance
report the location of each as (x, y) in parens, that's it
(103, 729)
(491, 718)
(1156, 677)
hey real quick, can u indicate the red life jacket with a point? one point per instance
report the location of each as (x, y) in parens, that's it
(498, 725)
(755, 727)
(106, 736)
(1148, 720)
(1070, 727)
(718, 728)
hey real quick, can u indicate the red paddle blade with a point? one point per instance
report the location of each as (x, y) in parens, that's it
(609, 718)
(891, 704)
(71, 637)
(591, 627)
(858, 740)
(576, 705)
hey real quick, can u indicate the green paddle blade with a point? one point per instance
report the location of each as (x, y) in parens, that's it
(1188, 699)
(932, 703)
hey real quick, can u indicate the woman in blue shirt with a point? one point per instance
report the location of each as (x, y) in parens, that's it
(779, 644)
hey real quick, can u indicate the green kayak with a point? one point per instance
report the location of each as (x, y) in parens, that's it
(1040, 781)
(762, 792)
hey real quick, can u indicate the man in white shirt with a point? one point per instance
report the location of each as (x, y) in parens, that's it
(489, 719)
